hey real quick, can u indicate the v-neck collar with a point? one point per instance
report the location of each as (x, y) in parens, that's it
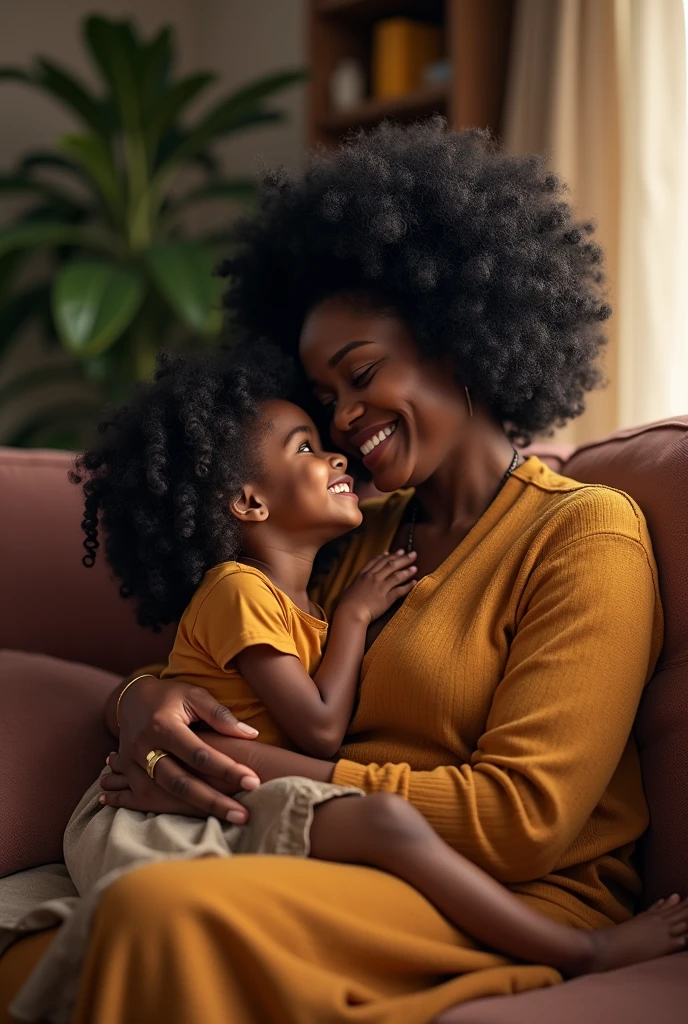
(475, 535)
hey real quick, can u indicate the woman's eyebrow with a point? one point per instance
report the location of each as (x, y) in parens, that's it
(338, 356)
(304, 429)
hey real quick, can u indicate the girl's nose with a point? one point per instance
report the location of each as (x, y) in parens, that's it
(338, 461)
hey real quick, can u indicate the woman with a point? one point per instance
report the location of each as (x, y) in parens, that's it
(443, 304)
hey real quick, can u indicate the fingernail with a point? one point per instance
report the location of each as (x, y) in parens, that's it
(399, 551)
(107, 760)
(101, 799)
(248, 729)
(250, 782)
(236, 817)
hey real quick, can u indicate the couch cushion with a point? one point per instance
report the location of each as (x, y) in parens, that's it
(651, 464)
(50, 602)
(54, 744)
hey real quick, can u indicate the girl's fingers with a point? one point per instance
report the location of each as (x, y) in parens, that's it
(373, 562)
(403, 589)
(114, 783)
(393, 564)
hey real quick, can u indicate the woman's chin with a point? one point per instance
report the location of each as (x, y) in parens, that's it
(391, 478)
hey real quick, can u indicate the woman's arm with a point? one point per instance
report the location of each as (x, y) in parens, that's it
(138, 792)
(587, 638)
(158, 715)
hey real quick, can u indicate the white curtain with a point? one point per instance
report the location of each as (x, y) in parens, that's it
(600, 87)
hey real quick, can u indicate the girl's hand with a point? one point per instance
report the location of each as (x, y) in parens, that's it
(157, 715)
(379, 584)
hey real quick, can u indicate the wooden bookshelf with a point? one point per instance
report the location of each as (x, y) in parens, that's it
(476, 36)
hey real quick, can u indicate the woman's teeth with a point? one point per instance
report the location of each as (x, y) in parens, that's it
(340, 489)
(375, 440)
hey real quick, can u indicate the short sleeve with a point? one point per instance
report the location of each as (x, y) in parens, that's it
(241, 611)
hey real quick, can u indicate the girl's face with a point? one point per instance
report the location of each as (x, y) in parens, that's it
(401, 414)
(303, 488)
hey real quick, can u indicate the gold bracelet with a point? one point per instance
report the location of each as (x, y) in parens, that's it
(124, 690)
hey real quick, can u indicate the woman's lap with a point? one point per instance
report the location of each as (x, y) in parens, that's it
(16, 965)
(253, 939)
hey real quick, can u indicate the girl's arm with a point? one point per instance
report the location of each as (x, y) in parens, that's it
(315, 712)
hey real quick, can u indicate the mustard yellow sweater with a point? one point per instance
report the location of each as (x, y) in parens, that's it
(500, 698)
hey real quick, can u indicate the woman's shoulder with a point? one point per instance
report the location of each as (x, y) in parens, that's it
(575, 509)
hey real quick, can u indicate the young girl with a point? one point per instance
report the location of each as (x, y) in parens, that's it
(215, 496)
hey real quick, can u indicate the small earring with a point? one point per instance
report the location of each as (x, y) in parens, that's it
(470, 404)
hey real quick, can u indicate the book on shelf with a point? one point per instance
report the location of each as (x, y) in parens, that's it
(402, 50)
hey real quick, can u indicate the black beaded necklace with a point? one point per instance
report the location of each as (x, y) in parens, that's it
(414, 503)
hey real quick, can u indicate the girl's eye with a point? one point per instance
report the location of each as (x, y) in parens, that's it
(305, 446)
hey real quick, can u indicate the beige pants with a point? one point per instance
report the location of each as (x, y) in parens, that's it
(103, 843)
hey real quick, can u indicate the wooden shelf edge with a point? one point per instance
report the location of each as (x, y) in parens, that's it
(421, 101)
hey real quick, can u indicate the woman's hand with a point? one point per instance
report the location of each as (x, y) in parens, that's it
(157, 715)
(138, 792)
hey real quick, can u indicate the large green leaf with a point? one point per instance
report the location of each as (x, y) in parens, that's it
(116, 54)
(157, 62)
(95, 157)
(240, 110)
(40, 234)
(172, 103)
(9, 74)
(93, 304)
(66, 88)
(184, 274)
(16, 184)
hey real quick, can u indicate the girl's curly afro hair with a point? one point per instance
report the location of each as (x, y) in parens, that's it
(170, 464)
(477, 250)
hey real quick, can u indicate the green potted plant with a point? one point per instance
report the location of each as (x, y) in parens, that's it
(123, 275)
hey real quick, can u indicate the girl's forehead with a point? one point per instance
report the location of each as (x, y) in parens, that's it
(280, 417)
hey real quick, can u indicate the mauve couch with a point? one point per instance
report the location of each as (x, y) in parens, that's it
(66, 637)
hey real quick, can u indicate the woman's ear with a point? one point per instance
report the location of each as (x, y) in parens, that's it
(249, 507)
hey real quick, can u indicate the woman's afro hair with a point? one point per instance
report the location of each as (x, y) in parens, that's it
(477, 250)
(170, 464)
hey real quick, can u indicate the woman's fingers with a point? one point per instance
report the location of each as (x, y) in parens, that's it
(187, 747)
(203, 707)
(184, 787)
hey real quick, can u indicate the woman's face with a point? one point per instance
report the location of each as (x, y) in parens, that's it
(402, 415)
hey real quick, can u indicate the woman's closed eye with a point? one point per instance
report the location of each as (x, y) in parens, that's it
(360, 378)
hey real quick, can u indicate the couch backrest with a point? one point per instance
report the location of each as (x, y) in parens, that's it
(49, 602)
(651, 464)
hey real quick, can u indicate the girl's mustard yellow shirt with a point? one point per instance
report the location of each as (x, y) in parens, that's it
(500, 698)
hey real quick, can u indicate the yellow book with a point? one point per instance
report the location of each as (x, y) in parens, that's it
(402, 48)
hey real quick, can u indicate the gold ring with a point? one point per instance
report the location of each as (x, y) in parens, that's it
(152, 758)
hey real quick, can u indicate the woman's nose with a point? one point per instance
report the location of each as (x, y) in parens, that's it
(346, 413)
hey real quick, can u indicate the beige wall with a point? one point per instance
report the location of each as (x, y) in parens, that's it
(240, 39)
